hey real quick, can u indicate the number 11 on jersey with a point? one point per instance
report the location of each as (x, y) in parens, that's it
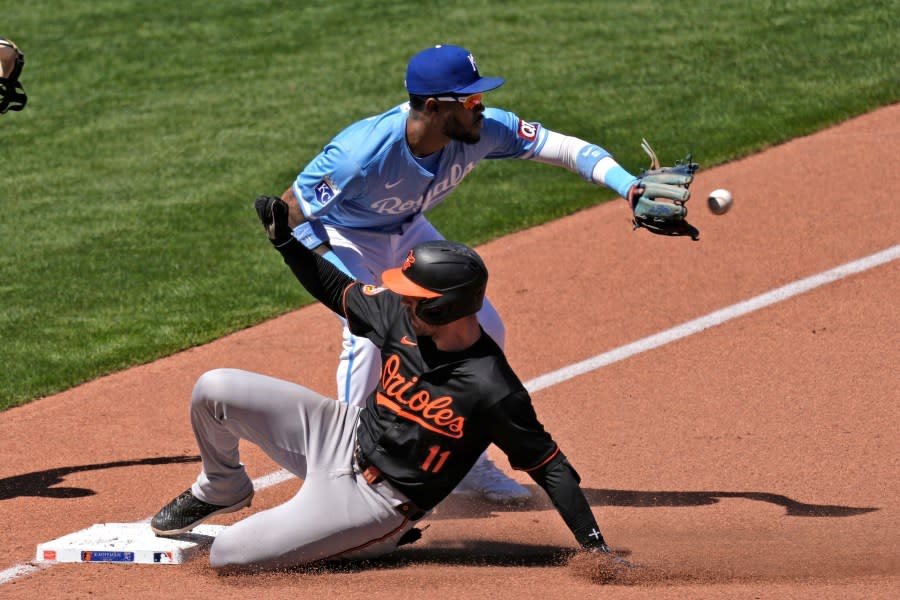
(429, 463)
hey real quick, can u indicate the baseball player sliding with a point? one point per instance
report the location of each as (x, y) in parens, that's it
(361, 202)
(444, 394)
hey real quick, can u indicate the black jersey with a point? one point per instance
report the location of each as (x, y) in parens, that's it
(433, 412)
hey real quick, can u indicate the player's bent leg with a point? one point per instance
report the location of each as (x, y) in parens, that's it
(330, 517)
(358, 370)
(228, 405)
(284, 419)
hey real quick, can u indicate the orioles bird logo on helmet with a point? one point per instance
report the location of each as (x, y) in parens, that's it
(410, 261)
(448, 277)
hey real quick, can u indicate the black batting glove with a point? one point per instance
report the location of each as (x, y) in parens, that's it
(273, 214)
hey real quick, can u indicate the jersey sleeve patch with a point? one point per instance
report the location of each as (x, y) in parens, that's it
(527, 131)
(326, 191)
(372, 290)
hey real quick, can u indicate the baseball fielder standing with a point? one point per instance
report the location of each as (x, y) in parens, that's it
(445, 392)
(361, 202)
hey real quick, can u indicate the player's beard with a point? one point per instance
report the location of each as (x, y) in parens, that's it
(455, 130)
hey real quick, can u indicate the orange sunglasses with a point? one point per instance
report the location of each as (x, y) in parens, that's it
(468, 102)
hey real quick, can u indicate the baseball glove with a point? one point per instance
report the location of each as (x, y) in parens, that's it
(666, 216)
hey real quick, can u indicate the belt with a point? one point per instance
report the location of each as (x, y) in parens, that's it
(370, 472)
(373, 475)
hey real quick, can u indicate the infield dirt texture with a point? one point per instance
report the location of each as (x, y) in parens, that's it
(754, 459)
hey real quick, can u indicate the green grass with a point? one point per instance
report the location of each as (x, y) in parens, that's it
(128, 231)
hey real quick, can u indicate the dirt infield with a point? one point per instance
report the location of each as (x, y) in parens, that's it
(754, 459)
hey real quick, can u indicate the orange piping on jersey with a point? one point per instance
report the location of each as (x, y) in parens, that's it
(549, 458)
(344, 299)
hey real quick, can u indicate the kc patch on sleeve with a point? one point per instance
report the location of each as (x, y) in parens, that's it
(326, 191)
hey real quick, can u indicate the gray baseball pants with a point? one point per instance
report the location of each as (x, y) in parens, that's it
(336, 513)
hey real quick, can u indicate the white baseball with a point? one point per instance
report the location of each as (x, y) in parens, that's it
(719, 201)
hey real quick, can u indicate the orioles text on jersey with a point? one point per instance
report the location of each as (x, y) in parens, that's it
(417, 405)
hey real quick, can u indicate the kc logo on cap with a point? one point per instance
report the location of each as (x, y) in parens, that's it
(446, 69)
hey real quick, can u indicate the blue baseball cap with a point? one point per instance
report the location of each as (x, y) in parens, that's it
(446, 70)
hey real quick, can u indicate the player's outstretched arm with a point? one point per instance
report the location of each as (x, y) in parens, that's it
(517, 431)
(561, 482)
(643, 194)
(592, 162)
(323, 280)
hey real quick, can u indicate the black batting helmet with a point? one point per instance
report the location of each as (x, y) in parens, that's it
(12, 94)
(449, 277)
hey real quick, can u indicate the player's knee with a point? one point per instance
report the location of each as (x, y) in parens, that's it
(211, 384)
(225, 555)
(233, 552)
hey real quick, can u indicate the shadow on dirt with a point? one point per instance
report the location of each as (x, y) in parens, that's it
(40, 483)
(470, 553)
(456, 507)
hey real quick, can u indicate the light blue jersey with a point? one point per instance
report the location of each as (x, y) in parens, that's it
(367, 178)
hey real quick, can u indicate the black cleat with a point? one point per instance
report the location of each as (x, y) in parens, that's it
(186, 512)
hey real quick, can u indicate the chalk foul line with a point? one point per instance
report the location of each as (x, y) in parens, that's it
(712, 319)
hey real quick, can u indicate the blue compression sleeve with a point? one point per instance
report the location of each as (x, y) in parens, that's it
(615, 178)
(620, 180)
(588, 157)
(310, 234)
